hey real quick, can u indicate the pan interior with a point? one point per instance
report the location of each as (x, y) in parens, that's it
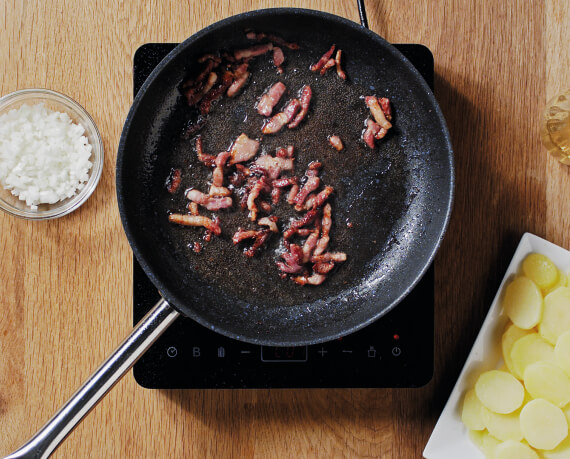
(390, 205)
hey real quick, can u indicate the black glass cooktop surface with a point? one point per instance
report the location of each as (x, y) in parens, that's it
(394, 351)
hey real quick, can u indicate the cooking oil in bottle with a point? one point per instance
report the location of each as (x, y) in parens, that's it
(555, 128)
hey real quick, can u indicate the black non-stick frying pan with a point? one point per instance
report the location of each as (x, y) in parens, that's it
(391, 205)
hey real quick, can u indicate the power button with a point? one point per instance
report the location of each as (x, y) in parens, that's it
(396, 351)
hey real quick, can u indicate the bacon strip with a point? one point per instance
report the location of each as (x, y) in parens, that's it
(253, 195)
(305, 100)
(337, 257)
(326, 223)
(339, 70)
(254, 51)
(323, 60)
(273, 38)
(293, 260)
(370, 133)
(310, 185)
(270, 222)
(195, 220)
(215, 93)
(308, 218)
(173, 181)
(376, 110)
(243, 149)
(313, 279)
(209, 202)
(260, 239)
(242, 76)
(241, 235)
(270, 99)
(323, 267)
(276, 123)
(206, 159)
(278, 59)
(328, 65)
(218, 174)
(336, 142)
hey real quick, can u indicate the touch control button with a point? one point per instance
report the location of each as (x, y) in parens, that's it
(396, 351)
(172, 351)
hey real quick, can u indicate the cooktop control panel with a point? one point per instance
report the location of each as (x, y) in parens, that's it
(394, 351)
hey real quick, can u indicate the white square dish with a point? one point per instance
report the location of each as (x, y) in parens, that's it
(450, 438)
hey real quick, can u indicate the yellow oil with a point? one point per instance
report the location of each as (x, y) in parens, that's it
(555, 128)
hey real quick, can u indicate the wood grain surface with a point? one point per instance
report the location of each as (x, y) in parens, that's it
(65, 285)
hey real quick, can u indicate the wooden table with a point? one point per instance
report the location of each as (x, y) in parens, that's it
(65, 285)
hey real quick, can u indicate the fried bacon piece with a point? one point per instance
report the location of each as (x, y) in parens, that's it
(273, 38)
(215, 93)
(310, 244)
(273, 166)
(253, 195)
(254, 51)
(173, 181)
(386, 107)
(196, 220)
(337, 257)
(339, 71)
(204, 158)
(209, 202)
(260, 237)
(270, 222)
(292, 194)
(335, 141)
(313, 279)
(373, 131)
(377, 112)
(328, 65)
(285, 181)
(278, 58)
(197, 247)
(305, 100)
(307, 219)
(323, 60)
(219, 191)
(218, 174)
(194, 89)
(270, 99)
(323, 267)
(276, 123)
(326, 223)
(243, 149)
(193, 208)
(241, 76)
(312, 183)
(293, 260)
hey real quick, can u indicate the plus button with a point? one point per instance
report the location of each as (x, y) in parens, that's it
(322, 352)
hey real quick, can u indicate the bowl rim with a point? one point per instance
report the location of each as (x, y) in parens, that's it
(97, 165)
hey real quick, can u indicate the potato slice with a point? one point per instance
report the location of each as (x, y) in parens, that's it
(511, 449)
(548, 381)
(523, 302)
(489, 444)
(562, 282)
(502, 426)
(566, 411)
(543, 424)
(510, 336)
(499, 391)
(529, 349)
(562, 451)
(540, 269)
(555, 315)
(562, 352)
(471, 412)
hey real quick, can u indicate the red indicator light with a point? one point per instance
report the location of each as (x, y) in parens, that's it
(396, 337)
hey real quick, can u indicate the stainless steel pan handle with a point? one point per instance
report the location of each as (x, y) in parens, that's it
(47, 439)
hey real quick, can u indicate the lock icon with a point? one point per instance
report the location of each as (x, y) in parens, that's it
(371, 352)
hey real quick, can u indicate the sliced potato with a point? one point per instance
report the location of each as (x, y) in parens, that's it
(523, 302)
(555, 315)
(543, 424)
(471, 412)
(548, 381)
(566, 411)
(562, 352)
(489, 445)
(476, 437)
(511, 449)
(562, 282)
(510, 336)
(529, 349)
(499, 391)
(562, 451)
(502, 426)
(540, 269)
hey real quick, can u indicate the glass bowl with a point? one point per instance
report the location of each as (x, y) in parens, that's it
(54, 101)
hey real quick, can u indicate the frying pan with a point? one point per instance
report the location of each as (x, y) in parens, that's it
(391, 205)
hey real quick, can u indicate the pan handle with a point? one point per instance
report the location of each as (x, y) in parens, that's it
(47, 439)
(362, 13)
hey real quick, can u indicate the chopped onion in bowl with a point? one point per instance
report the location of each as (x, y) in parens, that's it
(44, 156)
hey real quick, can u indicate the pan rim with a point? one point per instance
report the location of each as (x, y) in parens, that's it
(127, 224)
